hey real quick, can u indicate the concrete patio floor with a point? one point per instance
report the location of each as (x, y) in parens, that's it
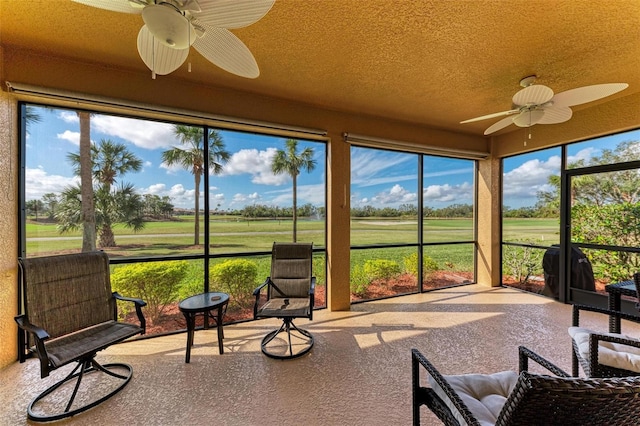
(358, 373)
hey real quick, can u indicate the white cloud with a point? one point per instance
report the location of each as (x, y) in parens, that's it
(38, 182)
(68, 135)
(452, 194)
(584, 154)
(396, 195)
(180, 196)
(244, 199)
(530, 177)
(255, 163)
(217, 199)
(141, 133)
(69, 116)
(367, 165)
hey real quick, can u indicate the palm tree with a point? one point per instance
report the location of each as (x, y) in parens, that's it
(290, 162)
(86, 184)
(109, 160)
(31, 115)
(191, 157)
(119, 205)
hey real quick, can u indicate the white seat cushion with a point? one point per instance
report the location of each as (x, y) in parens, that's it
(484, 394)
(609, 353)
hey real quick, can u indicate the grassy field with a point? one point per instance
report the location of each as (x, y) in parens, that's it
(237, 235)
(232, 235)
(539, 231)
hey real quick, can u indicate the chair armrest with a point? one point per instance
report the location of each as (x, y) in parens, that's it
(38, 332)
(312, 297)
(256, 294)
(258, 289)
(40, 335)
(526, 354)
(617, 314)
(417, 360)
(139, 303)
(595, 339)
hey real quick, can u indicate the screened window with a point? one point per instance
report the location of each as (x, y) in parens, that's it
(200, 205)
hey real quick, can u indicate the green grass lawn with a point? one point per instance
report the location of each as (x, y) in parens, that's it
(233, 235)
(540, 231)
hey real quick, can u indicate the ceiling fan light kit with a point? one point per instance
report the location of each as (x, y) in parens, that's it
(537, 104)
(171, 27)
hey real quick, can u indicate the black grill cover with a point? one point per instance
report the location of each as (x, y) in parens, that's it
(581, 271)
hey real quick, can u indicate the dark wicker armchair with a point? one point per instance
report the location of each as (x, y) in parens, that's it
(508, 398)
(603, 354)
(289, 294)
(69, 315)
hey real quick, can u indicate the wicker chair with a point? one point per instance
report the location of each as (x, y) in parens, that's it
(527, 398)
(603, 354)
(289, 295)
(69, 315)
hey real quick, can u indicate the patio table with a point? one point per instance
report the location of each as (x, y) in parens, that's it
(204, 304)
(616, 291)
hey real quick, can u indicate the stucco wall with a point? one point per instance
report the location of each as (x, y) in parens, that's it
(8, 227)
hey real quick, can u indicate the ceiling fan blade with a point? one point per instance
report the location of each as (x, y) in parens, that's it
(555, 115)
(124, 6)
(499, 125)
(529, 117)
(488, 116)
(533, 95)
(159, 58)
(582, 95)
(226, 50)
(233, 13)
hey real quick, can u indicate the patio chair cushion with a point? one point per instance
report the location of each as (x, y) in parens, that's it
(484, 394)
(609, 353)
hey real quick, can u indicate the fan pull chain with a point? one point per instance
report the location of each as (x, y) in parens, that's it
(153, 58)
(189, 35)
(525, 141)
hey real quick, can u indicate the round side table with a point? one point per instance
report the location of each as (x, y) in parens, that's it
(204, 304)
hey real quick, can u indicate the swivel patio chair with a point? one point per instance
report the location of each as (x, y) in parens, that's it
(288, 293)
(69, 315)
(509, 398)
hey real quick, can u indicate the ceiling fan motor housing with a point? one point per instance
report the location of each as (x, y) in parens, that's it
(169, 26)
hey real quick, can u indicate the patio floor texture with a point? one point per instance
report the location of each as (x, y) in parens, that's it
(358, 373)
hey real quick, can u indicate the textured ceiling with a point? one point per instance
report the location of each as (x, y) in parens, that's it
(432, 62)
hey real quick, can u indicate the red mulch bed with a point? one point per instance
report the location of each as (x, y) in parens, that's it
(536, 284)
(172, 319)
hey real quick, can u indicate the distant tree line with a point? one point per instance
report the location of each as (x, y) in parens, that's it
(151, 207)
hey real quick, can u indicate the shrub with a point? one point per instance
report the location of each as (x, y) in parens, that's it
(521, 262)
(156, 283)
(609, 224)
(381, 269)
(358, 281)
(192, 283)
(319, 269)
(429, 266)
(237, 277)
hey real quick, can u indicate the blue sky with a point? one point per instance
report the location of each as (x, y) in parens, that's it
(527, 174)
(246, 178)
(379, 178)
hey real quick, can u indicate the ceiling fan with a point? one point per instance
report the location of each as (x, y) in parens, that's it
(171, 27)
(537, 104)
